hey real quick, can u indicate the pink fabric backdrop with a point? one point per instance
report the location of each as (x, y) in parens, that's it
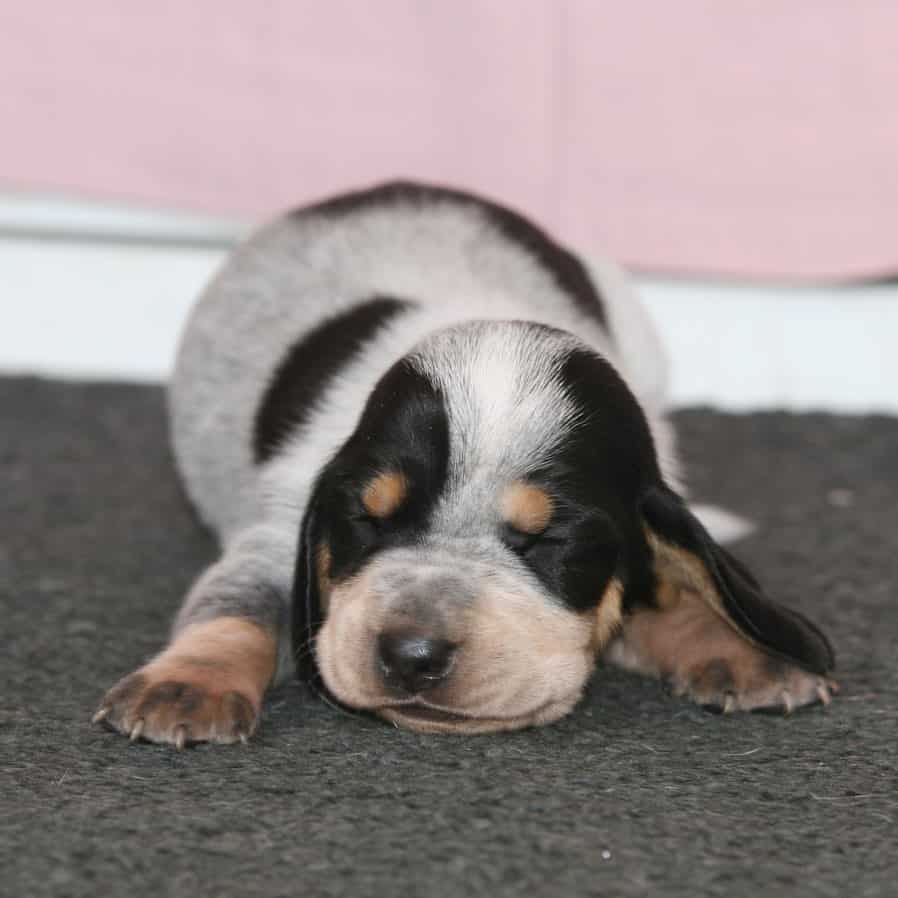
(753, 136)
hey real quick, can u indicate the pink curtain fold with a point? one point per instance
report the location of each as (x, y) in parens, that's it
(748, 138)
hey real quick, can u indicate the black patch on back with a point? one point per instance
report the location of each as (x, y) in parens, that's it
(311, 364)
(404, 427)
(567, 270)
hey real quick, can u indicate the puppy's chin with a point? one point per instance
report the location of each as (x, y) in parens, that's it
(429, 719)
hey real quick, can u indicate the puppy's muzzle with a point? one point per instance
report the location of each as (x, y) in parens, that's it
(414, 662)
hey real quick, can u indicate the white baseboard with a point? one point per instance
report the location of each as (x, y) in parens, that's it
(745, 347)
(93, 291)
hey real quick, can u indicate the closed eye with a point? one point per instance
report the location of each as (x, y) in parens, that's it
(519, 541)
(373, 526)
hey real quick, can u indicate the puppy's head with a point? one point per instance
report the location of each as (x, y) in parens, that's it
(469, 550)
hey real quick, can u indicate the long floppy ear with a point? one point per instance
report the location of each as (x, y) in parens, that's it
(307, 605)
(686, 557)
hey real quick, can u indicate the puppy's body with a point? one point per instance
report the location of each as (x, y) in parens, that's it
(437, 366)
(390, 267)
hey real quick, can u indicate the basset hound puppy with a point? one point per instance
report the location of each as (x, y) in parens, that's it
(432, 442)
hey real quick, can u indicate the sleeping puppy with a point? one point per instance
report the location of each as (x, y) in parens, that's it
(432, 443)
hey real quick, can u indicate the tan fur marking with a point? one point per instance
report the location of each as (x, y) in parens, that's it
(704, 657)
(384, 494)
(206, 686)
(677, 639)
(232, 644)
(679, 572)
(526, 507)
(608, 615)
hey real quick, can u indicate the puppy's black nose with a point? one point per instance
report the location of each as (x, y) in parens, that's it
(414, 662)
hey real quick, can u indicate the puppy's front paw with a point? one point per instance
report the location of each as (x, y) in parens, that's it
(751, 680)
(207, 686)
(180, 701)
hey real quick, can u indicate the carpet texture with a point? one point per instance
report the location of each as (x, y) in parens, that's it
(636, 793)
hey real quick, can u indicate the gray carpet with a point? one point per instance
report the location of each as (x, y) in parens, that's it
(635, 794)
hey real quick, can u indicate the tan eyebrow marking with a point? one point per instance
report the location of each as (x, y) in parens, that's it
(526, 507)
(384, 493)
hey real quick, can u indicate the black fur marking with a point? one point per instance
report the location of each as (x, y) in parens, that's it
(595, 481)
(578, 558)
(404, 428)
(566, 269)
(779, 629)
(311, 364)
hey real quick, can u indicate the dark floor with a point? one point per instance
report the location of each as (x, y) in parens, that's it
(635, 794)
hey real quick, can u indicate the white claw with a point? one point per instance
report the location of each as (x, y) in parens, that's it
(823, 694)
(244, 738)
(100, 715)
(788, 703)
(180, 737)
(136, 730)
(729, 703)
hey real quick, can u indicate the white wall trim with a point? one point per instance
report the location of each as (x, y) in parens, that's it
(95, 291)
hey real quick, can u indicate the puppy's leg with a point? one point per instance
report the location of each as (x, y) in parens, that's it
(208, 683)
(704, 657)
